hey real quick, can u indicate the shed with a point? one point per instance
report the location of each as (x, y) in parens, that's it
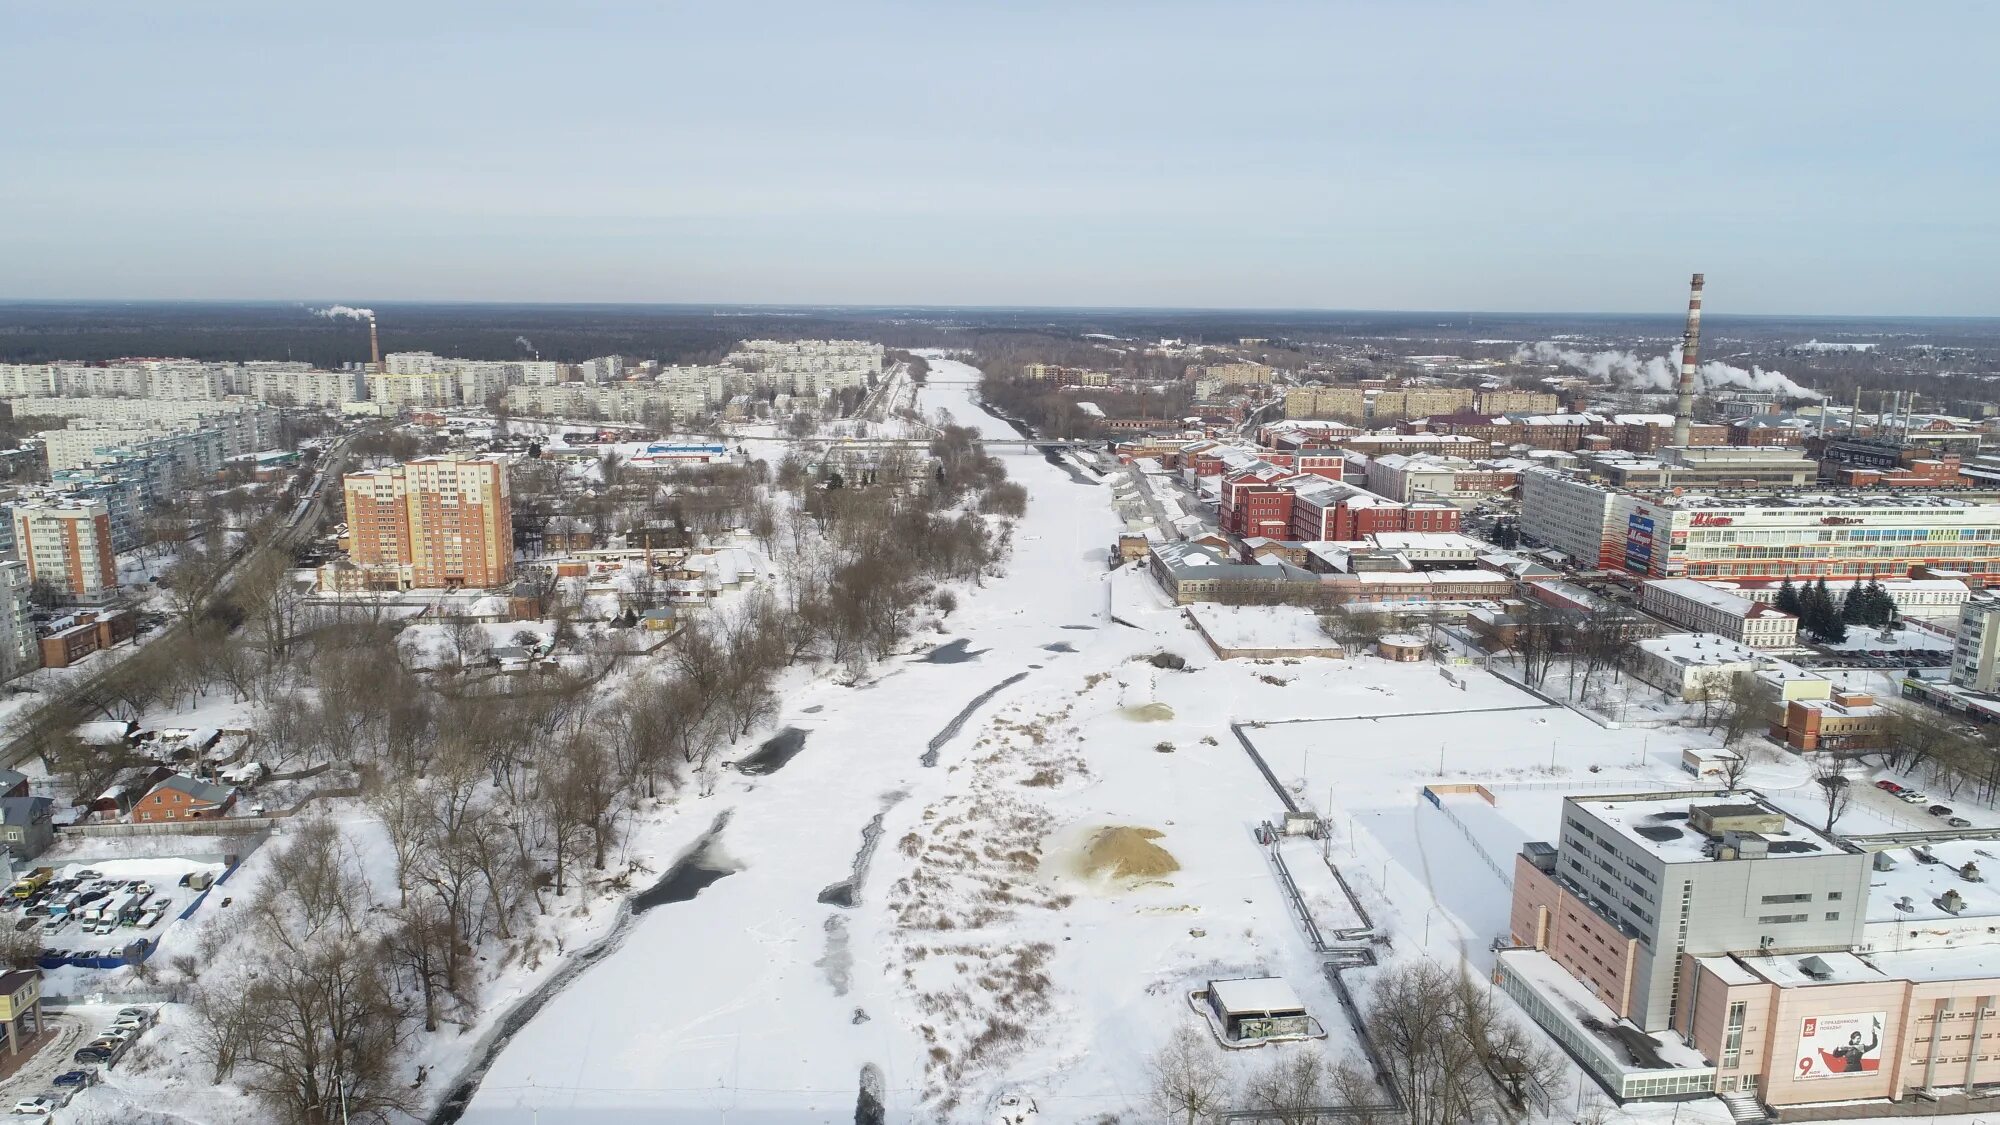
(1709, 763)
(1401, 647)
(1259, 1008)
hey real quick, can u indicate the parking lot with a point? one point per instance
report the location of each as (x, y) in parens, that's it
(96, 916)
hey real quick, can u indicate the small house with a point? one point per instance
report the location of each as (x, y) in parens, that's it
(1254, 1010)
(27, 825)
(181, 797)
(13, 783)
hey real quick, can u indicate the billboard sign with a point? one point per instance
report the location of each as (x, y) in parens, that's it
(1639, 542)
(1836, 1046)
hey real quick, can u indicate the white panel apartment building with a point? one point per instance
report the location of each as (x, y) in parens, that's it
(1706, 609)
(1583, 520)
(246, 426)
(19, 651)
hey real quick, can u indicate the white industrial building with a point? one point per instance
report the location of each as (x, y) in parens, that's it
(1706, 609)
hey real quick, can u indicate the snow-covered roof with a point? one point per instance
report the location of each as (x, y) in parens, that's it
(1794, 969)
(1658, 823)
(1247, 995)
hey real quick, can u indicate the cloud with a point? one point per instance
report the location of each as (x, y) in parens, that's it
(1661, 373)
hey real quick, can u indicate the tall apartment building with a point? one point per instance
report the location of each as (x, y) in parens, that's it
(1346, 404)
(1419, 402)
(67, 544)
(1580, 518)
(438, 522)
(412, 390)
(19, 651)
(1975, 654)
(245, 426)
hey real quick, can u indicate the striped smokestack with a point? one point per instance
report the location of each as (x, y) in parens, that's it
(1690, 349)
(375, 346)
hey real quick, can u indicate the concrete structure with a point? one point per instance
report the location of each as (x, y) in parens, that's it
(1639, 879)
(1846, 721)
(1706, 609)
(1582, 519)
(1192, 572)
(67, 545)
(1695, 666)
(438, 522)
(18, 650)
(1975, 654)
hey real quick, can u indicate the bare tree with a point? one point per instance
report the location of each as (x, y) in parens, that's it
(1292, 1088)
(1746, 706)
(1185, 1079)
(1836, 789)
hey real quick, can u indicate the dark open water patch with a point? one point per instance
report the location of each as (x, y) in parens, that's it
(771, 756)
(953, 652)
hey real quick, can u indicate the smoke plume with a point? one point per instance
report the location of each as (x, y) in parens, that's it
(1662, 373)
(345, 311)
(527, 347)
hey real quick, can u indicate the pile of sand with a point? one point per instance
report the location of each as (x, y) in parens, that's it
(1148, 713)
(1122, 852)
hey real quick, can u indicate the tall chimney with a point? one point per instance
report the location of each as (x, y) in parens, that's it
(374, 347)
(1690, 349)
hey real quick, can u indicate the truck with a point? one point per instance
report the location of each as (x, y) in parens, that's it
(62, 907)
(26, 886)
(135, 905)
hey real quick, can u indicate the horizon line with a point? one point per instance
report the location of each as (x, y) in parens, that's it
(1673, 315)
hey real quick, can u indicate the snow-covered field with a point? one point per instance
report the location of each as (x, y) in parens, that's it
(977, 960)
(975, 952)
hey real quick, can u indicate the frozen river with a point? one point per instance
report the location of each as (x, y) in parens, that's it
(753, 1001)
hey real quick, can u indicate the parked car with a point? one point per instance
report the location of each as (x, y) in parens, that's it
(1913, 796)
(76, 1078)
(94, 1055)
(136, 1013)
(28, 923)
(1888, 787)
(54, 925)
(1959, 822)
(1939, 810)
(133, 1024)
(37, 1106)
(88, 873)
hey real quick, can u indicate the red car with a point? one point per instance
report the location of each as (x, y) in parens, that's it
(1888, 787)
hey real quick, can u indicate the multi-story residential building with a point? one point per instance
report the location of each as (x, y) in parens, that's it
(19, 651)
(245, 426)
(1516, 402)
(68, 545)
(1234, 374)
(303, 388)
(438, 522)
(1579, 517)
(1418, 402)
(1347, 404)
(123, 497)
(1707, 609)
(412, 390)
(1975, 654)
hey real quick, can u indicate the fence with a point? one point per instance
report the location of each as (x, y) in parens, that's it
(220, 826)
(1491, 864)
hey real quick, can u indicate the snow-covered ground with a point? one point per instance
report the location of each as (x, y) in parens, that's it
(977, 958)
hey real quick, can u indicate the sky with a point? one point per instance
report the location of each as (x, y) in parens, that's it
(1818, 157)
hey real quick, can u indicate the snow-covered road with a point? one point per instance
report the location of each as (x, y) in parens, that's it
(726, 1007)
